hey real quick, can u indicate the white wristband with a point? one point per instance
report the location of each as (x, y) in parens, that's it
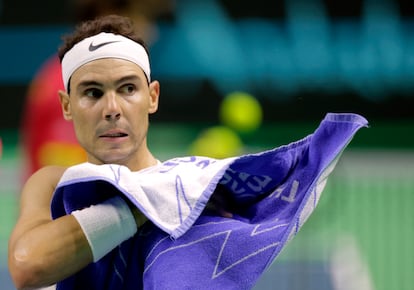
(106, 225)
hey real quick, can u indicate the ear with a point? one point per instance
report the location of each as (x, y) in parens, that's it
(65, 103)
(154, 92)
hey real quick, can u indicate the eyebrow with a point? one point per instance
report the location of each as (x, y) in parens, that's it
(128, 78)
(87, 83)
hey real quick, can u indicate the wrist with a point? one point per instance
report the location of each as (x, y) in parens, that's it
(106, 225)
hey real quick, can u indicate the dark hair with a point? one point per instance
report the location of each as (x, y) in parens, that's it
(111, 23)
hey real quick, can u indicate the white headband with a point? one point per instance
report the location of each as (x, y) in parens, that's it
(104, 45)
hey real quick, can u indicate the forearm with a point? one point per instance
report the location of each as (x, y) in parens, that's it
(48, 253)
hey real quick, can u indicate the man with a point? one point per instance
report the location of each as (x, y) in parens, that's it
(109, 101)
(124, 220)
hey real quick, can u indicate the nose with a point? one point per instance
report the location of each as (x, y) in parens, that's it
(112, 110)
(112, 117)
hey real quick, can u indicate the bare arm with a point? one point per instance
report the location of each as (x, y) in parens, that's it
(43, 251)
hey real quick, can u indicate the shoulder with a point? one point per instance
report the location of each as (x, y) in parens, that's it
(46, 178)
(38, 191)
(50, 172)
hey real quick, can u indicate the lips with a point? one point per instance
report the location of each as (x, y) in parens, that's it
(113, 134)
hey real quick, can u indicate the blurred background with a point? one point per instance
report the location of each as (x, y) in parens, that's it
(238, 77)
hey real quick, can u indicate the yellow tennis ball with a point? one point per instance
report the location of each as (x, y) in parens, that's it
(241, 112)
(217, 142)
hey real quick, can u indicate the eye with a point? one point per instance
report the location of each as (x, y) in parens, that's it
(128, 89)
(94, 93)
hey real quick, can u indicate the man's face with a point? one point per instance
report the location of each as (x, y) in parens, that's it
(109, 104)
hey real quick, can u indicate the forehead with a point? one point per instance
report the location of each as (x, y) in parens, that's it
(107, 69)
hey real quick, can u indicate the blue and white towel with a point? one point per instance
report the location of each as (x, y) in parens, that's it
(185, 246)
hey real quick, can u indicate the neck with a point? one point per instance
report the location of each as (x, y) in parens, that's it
(137, 163)
(144, 161)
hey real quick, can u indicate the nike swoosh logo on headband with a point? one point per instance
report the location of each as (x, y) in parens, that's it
(95, 47)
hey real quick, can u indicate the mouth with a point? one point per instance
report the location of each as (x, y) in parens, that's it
(113, 134)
